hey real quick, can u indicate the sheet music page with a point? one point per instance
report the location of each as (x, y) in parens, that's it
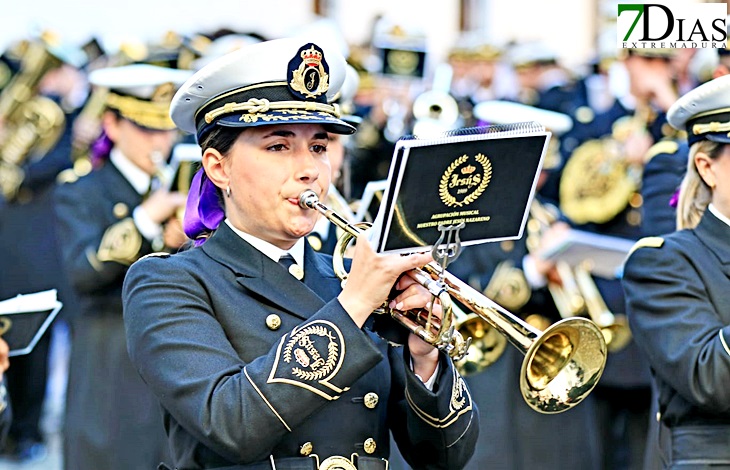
(25, 303)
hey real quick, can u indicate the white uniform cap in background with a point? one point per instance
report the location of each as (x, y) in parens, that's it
(141, 93)
(222, 46)
(508, 112)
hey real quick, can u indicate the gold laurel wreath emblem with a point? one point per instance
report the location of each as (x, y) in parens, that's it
(332, 353)
(450, 200)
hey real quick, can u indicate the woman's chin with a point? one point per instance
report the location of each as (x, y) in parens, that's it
(301, 230)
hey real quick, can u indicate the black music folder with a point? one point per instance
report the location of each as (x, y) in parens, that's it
(25, 318)
(482, 177)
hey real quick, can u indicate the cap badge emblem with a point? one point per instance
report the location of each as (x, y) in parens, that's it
(308, 73)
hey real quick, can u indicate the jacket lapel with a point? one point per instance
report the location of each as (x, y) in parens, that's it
(265, 278)
(324, 283)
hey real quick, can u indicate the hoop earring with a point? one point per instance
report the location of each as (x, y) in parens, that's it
(228, 191)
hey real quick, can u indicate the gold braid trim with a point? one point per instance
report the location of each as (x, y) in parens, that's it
(698, 129)
(154, 115)
(259, 106)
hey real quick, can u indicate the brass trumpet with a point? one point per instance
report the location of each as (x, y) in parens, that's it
(562, 364)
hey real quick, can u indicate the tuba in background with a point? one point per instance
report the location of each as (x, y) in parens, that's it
(30, 124)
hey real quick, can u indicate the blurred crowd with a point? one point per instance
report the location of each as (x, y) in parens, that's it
(613, 167)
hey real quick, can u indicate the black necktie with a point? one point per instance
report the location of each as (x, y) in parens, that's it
(290, 265)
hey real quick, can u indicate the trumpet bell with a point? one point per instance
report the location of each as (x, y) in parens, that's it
(486, 347)
(563, 365)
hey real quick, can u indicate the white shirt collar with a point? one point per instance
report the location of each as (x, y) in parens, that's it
(717, 214)
(273, 252)
(136, 176)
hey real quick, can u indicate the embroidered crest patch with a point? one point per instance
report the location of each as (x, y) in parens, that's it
(310, 357)
(308, 73)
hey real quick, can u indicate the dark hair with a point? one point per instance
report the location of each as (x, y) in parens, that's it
(221, 138)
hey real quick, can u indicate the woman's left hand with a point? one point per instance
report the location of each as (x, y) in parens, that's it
(414, 296)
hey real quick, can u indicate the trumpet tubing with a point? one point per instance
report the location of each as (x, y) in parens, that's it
(438, 332)
(567, 296)
(487, 344)
(562, 364)
(615, 328)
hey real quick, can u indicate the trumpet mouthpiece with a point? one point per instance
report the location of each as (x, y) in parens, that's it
(307, 199)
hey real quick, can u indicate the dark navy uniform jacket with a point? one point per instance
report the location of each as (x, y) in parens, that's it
(237, 389)
(661, 178)
(678, 302)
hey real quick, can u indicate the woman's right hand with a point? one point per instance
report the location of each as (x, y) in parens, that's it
(162, 204)
(372, 277)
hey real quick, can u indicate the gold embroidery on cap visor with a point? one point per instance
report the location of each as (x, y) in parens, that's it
(149, 114)
(256, 109)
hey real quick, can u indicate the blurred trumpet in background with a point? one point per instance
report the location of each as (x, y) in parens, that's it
(572, 288)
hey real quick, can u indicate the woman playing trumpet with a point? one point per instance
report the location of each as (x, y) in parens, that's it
(259, 367)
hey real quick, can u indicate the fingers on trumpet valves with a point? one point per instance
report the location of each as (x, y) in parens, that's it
(413, 297)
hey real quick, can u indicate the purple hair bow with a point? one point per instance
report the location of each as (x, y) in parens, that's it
(203, 210)
(100, 149)
(675, 199)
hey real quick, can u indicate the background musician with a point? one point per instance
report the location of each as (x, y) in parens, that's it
(677, 291)
(107, 220)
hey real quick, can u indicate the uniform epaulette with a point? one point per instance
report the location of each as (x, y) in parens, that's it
(663, 146)
(157, 254)
(648, 242)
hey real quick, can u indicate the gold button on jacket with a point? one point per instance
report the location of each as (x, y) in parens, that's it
(371, 400)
